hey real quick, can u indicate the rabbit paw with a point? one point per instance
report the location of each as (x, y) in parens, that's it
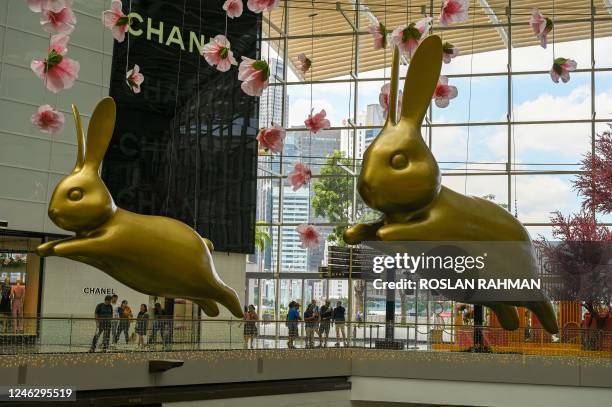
(46, 249)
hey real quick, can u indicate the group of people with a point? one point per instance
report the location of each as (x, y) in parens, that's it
(317, 320)
(114, 318)
(11, 304)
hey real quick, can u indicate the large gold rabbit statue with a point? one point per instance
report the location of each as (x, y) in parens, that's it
(400, 178)
(152, 254)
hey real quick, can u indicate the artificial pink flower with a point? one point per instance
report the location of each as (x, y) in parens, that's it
(217, 52)
(540, 25)
(305, 61)
(299, 176)
(449, 51)
(54, 5)
(383, 98)
(116, 20)
(379, 32)
(408, 37)
(254, 75)
(48, 120)
(454, 11)
(271, 139)
(61, 22)
(309, 236)
(233, 8)
(57, 71)
(317, 122)
(561, 69)
(134, 78)
(444, 92)
(257, 6)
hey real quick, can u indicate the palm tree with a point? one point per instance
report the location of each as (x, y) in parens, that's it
(262, 238)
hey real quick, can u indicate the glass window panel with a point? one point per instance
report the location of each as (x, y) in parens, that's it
(603, 95)
(535, 206)
(335, 98)
(487, 147)
(537, 97)
(492, 187)
(549, 144)
(488, 101)
(603, 44)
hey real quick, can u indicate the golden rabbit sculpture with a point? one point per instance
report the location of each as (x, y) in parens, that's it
(152, 254)
(400, 178)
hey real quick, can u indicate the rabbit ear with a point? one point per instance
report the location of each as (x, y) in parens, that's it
(80, 140)
(422, 78)
(392, 116)
(100, 132)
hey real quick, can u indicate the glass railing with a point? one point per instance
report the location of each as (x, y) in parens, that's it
(44, 335)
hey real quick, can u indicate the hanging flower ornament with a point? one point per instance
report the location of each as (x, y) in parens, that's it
(300, 176)
(541, 26)
(54, 5)
(57, 71)
(134, 78)
(317, 122)
(233, 8)
(218, 53)
(454, 11)
(271, 139)
(254, 75)
(561, 68)
(305, 62)
(58, 22)
(309, 236)
(444, 92)
(449, 51)
(116, 20)
(48, 120)
(379, 33)
(408, 37)
(257, 6)
(383, 98)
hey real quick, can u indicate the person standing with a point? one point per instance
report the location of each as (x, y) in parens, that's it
(250, 326)
(293, 318)
(142, 320)
(158, 323)
(325, 315)
(103, 315)
(310, 320)
(338, 317)
(125, 315)
(115, 321)
(17, 296)
(5, 303)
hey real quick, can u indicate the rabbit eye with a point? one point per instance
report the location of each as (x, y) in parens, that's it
(399, 161)
(75, 194)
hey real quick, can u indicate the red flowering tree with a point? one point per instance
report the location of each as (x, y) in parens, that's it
(595, 183)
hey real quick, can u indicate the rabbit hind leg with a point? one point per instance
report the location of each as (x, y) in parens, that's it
(506, 314)
(209, 307)
(545, 313)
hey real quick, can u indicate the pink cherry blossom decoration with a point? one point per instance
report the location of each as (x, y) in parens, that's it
(217, 52)
(379, 33)
(61, 22)
(257, 6)
(383, 98)
(271, 139)
(54, 5)
(254, 75)
(134, 78)
(233, 8)
(57, 71)
(299, 176)
(48, 120)
(561, 69)
(540, 25)
(449, 51)
(444, 92)
(309, 236)
(408, 37)
(305, 61)
(454, 11)
(116, 20)
(317, 122)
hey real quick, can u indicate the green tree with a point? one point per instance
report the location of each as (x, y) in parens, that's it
(333, 196)
(262, 239)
